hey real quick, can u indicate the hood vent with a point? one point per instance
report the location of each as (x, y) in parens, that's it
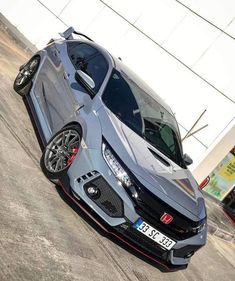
(160, 158)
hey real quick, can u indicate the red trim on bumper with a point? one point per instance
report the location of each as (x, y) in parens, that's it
(113, 233)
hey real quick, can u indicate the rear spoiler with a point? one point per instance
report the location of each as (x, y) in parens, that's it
(68, 34)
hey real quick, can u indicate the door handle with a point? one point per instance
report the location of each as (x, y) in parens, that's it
(78, 107)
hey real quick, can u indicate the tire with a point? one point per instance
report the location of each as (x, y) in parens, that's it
(60, 152)
(26, 74)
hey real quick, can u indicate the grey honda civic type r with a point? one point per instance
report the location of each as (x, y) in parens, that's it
(114, 147)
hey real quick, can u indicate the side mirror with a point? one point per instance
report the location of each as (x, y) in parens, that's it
(86, 81)
(187, 159)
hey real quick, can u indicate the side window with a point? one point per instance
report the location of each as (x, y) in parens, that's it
(79, 52)
(168, 137)
(119, 98)
(89, 60)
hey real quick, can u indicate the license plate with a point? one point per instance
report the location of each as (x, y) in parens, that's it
(154, 234)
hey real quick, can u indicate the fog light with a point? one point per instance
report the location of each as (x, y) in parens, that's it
(189, 254)
(93, 192)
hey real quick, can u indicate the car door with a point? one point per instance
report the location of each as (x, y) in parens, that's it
(53, 91)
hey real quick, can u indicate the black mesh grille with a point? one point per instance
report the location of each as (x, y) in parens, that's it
(109, 201)
(151, 208)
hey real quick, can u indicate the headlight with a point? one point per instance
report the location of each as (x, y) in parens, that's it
(200, 227)
(115, 166)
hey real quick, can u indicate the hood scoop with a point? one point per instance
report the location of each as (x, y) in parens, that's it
(160, 158)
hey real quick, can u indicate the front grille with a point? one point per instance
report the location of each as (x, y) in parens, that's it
(143, 242)
(186, 250)
(151, 208)
(108, 201)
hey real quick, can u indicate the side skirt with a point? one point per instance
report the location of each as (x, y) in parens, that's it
(34, 120)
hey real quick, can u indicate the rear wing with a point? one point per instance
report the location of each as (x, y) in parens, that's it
(68, 34)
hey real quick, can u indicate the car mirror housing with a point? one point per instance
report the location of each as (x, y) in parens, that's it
(187, 159)
(86, 81)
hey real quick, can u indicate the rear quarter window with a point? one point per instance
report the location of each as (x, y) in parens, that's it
(89, 60)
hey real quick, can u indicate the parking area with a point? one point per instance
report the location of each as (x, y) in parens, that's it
(43, 236)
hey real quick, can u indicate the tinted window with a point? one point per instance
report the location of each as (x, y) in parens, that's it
(143, 114)
(89, 60)
(119, 98)
(79, 52)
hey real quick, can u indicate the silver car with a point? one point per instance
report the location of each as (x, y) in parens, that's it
(115, 148)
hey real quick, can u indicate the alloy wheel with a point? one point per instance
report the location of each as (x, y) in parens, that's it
(62, 150)
(27, 71)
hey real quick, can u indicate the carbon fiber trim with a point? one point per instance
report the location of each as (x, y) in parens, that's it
(108, 201)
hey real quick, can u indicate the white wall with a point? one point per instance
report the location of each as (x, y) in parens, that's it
(190, 64)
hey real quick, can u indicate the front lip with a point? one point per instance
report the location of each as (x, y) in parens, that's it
(164, 266)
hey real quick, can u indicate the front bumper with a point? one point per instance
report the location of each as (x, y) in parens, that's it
(115, 211)
(130, 245)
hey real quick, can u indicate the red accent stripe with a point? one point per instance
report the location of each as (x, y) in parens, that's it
(204, 182)
(112, 233)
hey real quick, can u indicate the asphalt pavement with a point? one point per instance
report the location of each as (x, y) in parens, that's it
(43, 236)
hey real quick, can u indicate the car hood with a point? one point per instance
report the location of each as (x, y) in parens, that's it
(171, 183)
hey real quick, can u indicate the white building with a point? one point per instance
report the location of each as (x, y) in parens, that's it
(184, 49)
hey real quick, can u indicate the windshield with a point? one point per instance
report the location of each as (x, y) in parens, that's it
(143, 114)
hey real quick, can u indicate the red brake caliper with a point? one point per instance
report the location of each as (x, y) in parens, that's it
(72, 157)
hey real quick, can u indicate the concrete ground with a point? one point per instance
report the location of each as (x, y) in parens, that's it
(42, 236)
(219, 223)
